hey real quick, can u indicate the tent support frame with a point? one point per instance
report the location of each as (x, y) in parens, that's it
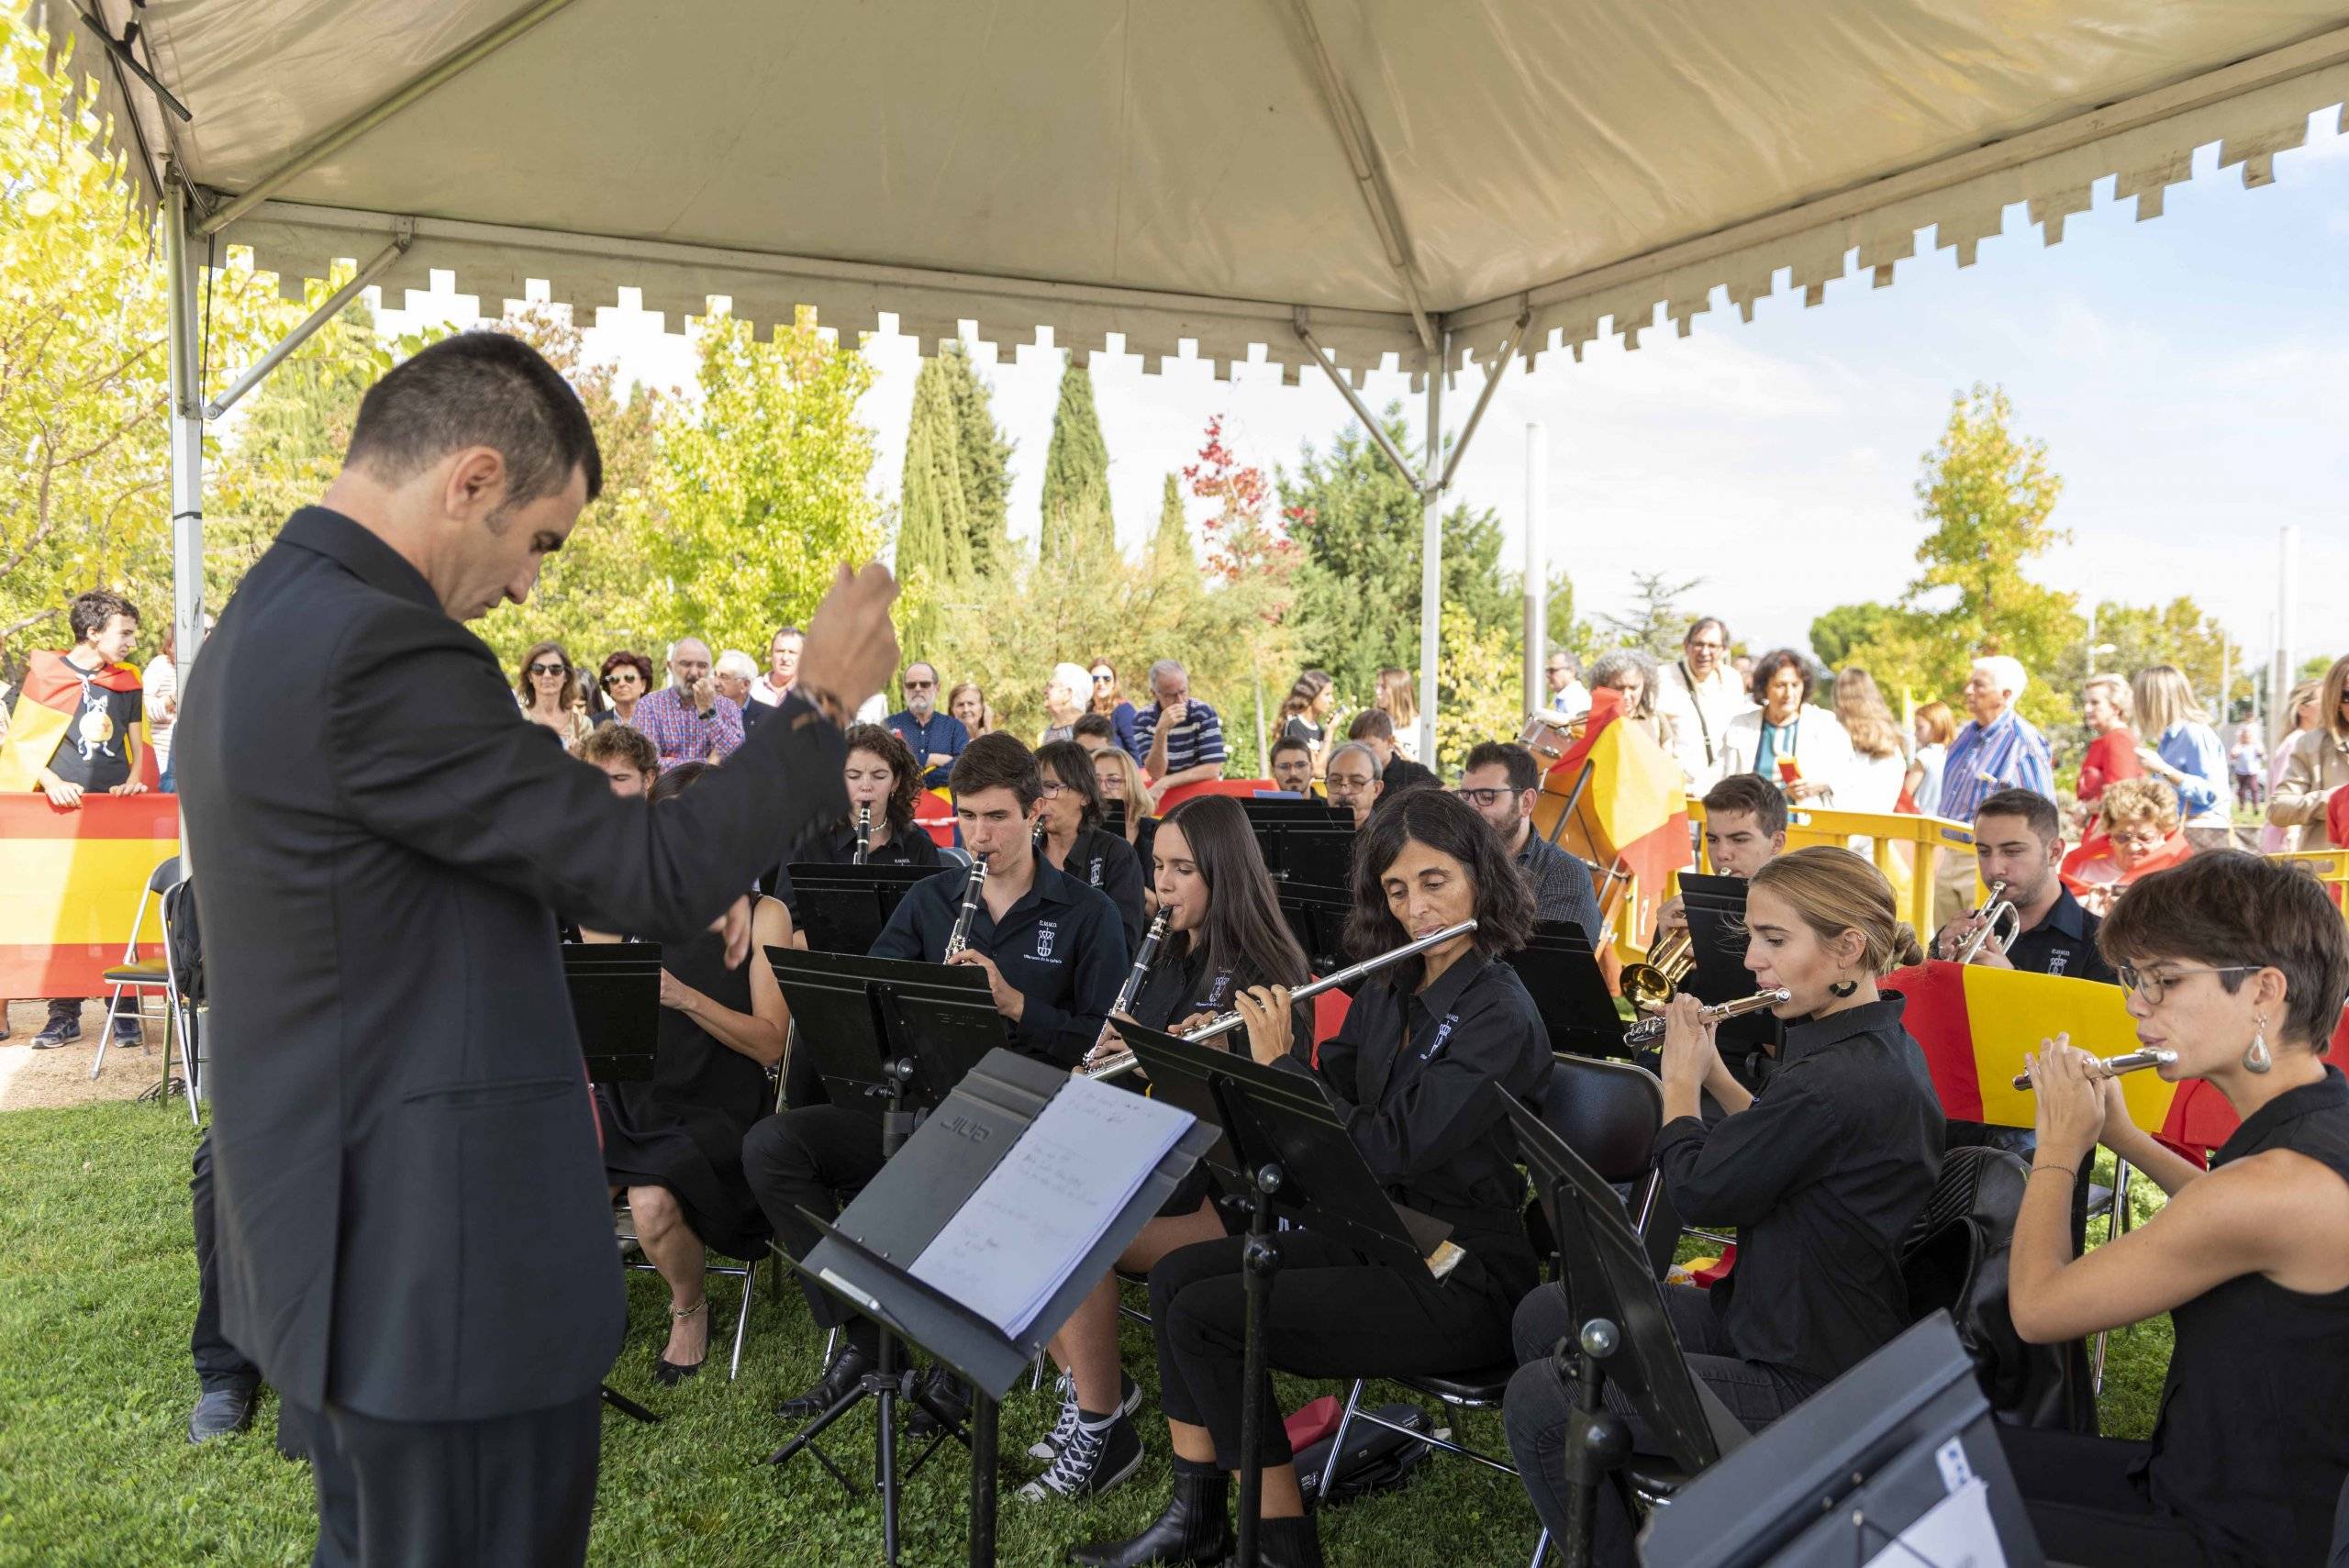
(326, 311)
(186, 440)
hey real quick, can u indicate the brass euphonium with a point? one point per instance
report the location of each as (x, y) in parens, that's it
(1651, 985)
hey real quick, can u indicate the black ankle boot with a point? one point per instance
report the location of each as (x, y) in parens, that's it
(1287, 1543)
(1195, 1528)
(848, 1366)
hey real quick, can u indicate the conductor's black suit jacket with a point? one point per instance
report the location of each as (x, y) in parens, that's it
(413, 1220)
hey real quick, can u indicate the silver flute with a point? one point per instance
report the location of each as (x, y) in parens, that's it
(1125, 1062)
(1651, 1028)
(1143, 958)
(2113, 1066)
(960, 937)
(863, 835)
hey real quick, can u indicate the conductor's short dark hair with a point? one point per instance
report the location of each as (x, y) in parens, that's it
(478, 389)
(998, 759)
(1523, 773)
(91, 611)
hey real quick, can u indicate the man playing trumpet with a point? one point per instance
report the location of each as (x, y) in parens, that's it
(2018, 841)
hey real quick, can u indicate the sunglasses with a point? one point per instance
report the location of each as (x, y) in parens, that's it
(919, 685)
(550, 669)
(1102, 677)
(619, 677)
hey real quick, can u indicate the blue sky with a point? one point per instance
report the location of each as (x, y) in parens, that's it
(2187, 374)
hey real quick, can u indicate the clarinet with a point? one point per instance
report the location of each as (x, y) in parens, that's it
(863, 835)
(1143, 959)
(960, 937)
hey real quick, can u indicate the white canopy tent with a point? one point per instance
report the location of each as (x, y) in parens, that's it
(1348, 185)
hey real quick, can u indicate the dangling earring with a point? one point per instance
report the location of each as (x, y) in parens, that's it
(1843, 988)
(2257, 1060)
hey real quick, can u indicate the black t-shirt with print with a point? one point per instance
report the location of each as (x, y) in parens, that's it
(95, 751)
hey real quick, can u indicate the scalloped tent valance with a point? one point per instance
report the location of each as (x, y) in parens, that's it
(1196, 178)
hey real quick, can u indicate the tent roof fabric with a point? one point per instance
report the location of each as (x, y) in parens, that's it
(1197, 178)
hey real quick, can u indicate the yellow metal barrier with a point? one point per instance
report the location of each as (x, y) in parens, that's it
(2330, 867)
(1907, 849)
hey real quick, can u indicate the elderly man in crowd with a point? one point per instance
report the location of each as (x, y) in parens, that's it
(1699, 693)
(1353, 776)
(1996, 749)
(935, 738)
(688, 719)
(1180, 738)
(1567, 695)
(734, 673)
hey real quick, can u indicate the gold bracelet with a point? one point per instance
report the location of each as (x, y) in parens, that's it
(2067, 1169)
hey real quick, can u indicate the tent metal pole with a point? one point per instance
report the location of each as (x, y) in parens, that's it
(1353, 399)
(367, 119)
(1484, 400)
(1431, 547)
(310, 324)
(1537, 575)
(186, 435)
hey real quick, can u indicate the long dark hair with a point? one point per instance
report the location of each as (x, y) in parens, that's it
(1442, 821)
(1072, 765)
(1244, 933)
(529, 694)
(904, 774)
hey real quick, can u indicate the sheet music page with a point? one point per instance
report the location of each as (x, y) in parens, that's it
(1028, 1226)
(1956, 1532)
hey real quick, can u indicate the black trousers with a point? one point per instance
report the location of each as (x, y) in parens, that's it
(516, 1490)
(218, 1364)
(814, 1157)
(2086, 1509)
(1332, 1314)
(1540, 1406)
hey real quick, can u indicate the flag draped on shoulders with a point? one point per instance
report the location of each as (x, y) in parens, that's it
(45, 707)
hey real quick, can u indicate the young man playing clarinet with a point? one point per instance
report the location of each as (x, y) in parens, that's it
(1053, 952)
(2019, 841)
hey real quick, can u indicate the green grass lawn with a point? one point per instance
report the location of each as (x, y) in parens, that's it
(98, 1288)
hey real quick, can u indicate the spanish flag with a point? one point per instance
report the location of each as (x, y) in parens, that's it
(73, 881)
(46, 708)
(1632, 811)
(1978, 1024)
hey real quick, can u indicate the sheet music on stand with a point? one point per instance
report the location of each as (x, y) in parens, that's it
(1069, 1175)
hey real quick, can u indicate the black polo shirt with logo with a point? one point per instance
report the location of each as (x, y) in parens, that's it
(2064, 943)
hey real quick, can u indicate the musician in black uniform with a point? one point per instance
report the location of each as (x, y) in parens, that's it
(882, 779)
(2240, 966)
(1224, 933)
(674, 1144)
(1054, 953)
(1075, 842)
(1408, 1071)
(2018, 839)
(1822, 1173)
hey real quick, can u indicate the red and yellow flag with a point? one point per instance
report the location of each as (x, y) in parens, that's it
(1634, 810)
(45, 707)
(74, 882)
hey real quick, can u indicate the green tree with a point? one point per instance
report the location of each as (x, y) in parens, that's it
(1657, 624)
(983, 459)
(934, 509)
(85, 471)
(1837, 633)
(1558, 619)
(1170, 546)
(1358, 523)
(1076, 474)
(767, 484)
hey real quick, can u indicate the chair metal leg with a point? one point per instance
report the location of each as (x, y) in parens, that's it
(105, 1035)
(2116, 1226)
(742, 1319)
(1541, 1549)
(1338, 1443)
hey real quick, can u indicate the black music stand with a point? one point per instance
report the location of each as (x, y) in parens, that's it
(1856, 1467)
(616, 1003)
(842, 908)
(907, 1033)
(1276, 806)
(1716, 909)
(1561, 973)
(912, 1200)
(1624, 1336)
(1283, 1144)
(1317, 917)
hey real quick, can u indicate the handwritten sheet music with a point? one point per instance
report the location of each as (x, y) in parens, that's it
(1956, 1532)
(1028, 1226)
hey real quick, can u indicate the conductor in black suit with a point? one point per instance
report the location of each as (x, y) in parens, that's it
(415, 1240)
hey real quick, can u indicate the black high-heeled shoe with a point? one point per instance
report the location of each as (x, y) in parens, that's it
(1194, 1529)
(669, 1373)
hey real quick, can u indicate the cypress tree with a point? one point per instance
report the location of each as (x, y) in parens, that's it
(1170, 547)
(984, 459)
(933, 515)
(1076, 473)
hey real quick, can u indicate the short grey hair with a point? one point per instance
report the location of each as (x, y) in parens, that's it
(1609, 668)
(734, 661)
(696, 642)
(1162, 669)
(1367, 755)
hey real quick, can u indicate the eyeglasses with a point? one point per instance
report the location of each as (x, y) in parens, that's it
(1480, 797)
(1053, 791)
(620, 677)
(550, 669)
(2152, 987)
(1702, 646)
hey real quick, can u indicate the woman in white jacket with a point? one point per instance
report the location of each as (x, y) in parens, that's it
(1785, 740)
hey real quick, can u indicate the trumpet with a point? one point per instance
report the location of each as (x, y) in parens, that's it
(1651, 985)
(1648, 1030)
(1125, 1062)
(1143, 959)
(960, 937)
(864, 834)
(1996, 907)
(2113, 1066)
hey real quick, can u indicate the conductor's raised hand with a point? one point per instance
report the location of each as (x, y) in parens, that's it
(851, 649)
(1270, 1028)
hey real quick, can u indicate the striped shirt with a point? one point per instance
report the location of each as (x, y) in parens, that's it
(2013, 755)
(1196, 741)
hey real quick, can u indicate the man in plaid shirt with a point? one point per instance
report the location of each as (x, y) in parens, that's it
(686, 719)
